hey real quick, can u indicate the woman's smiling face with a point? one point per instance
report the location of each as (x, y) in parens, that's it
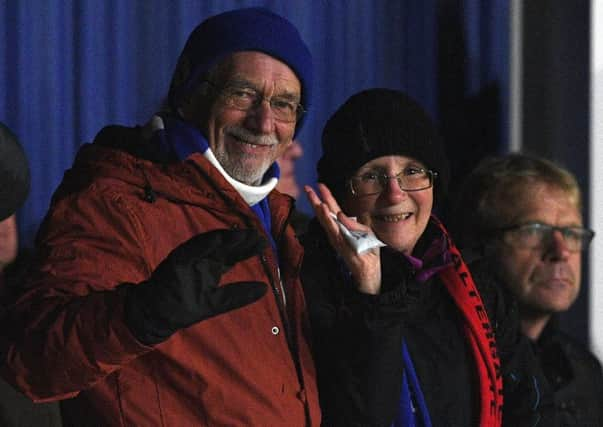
(398, 218)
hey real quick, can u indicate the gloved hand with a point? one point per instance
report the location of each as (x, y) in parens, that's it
(183, 290)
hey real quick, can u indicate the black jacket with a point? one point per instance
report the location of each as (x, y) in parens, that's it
(571, 379)
(357, 344)
(574, 376)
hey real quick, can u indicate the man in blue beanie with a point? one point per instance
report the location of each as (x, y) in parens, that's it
(167, 290)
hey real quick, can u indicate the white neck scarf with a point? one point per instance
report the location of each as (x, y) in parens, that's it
(252, 194)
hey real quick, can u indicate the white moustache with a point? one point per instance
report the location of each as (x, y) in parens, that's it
(249, 137)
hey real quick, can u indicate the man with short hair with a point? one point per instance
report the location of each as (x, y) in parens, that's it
(288, 184)
(8, 241)
(167, 292)
(14, 188)
(521, 216)
(14, 173)
(16, 410)
(288, 181)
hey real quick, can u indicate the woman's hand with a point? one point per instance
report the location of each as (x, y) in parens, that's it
(365, 267)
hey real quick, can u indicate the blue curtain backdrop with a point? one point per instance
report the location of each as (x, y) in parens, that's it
(68, 68)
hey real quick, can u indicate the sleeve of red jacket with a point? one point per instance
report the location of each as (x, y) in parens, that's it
(66, 332)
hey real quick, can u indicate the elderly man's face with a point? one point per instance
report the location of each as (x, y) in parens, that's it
(246, 143)
(545, 280)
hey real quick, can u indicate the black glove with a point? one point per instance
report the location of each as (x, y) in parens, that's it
(183, 290)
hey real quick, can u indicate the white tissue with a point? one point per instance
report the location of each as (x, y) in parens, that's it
(361, 241)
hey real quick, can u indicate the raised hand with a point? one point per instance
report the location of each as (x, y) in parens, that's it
(184, 290)
(366, 266)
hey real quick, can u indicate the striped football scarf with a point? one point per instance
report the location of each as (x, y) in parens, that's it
(479, 332)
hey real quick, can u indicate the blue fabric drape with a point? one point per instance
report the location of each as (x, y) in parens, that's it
(68, 68)
(473, 76)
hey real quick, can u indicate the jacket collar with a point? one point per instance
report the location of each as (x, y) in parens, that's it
(183, 139)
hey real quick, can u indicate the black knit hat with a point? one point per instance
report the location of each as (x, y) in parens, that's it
(375, 123)
(14, 174)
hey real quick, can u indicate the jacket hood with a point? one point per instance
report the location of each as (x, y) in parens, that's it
(124, 155)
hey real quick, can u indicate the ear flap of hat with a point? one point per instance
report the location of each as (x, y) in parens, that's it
(14, 174)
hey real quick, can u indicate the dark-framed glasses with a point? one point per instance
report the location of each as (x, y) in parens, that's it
(538, 235)
(245, 98)
(409, 179)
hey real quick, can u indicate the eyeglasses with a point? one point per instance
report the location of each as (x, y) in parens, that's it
(538, 235)
(245, 98)
(410, 179)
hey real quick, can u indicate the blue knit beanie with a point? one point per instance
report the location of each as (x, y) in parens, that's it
(256, 29)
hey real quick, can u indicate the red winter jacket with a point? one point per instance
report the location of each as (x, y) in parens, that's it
(114, 218)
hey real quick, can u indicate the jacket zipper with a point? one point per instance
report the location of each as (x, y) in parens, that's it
(150, 195)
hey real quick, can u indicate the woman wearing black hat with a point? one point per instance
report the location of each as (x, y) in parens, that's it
(402, 335)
